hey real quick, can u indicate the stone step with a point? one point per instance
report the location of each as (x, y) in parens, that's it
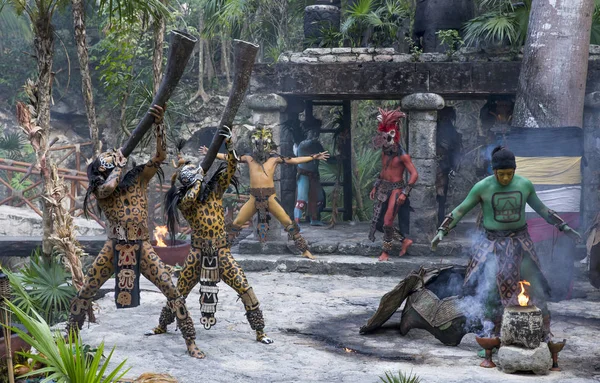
(339, 264)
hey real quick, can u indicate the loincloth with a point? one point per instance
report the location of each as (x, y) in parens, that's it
(507, 248)
(383, 191)
(126, 262)
(261, 204)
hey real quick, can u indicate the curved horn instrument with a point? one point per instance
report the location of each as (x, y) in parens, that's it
(180, 50)
(245, 54)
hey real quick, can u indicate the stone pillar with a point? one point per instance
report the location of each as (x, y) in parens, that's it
(324, 14)
(590, 183)
(422, 127)
(295, 106)
(268, 110)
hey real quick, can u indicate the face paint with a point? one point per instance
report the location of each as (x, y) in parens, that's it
(504, 176)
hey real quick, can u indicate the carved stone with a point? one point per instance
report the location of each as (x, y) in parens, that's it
(522, 326)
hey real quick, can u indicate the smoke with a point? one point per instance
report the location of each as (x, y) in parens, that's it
(482, 287)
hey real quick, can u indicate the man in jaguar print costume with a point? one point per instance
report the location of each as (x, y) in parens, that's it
(262, 164)
(505, 250)
(128, 253)
(390, 192)
(209, 260)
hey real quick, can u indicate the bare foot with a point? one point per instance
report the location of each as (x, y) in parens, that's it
(405, 245)
(195, 352)
(307, 254)
(384, 257)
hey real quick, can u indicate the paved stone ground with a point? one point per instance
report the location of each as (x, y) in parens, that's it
(312, 318)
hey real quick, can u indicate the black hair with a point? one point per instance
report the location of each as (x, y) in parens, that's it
(503, 158)
(95, 179)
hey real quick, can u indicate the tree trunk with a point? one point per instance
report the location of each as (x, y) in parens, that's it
(225, 59)
(86, 80)
(200, 92)
(554, 70)
(208, 61)
(157, 57)
(43, 42)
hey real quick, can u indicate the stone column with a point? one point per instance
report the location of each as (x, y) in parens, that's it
(422, 126)
(268, 110)
(590, 183)
(322, 15)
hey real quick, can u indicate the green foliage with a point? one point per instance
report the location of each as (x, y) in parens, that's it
(43, 286)
(64, 361)
(451, 39)
(374, 22)
(401, 377)
(131, 11)
(415, 50)
(12, 144)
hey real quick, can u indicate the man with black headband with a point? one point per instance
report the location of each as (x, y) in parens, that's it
(506, 249)
(127, 253)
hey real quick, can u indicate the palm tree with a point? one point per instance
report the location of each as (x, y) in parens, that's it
(506, 21)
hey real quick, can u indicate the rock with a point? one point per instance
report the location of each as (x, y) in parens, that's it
(511, 359)
(383, 58)
(347, 59)
(303, 59)
(328, 59)
(385, 51)
(522, 326)
(423, 101)
(365, 58)
(337, 51)
(317, 51)
(594, 49)
(402, 58)
(283, 58)
(360, 50)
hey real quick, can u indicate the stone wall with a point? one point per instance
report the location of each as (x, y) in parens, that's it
(465, 54)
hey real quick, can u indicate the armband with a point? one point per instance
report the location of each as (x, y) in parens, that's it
(554, 219)
(445, 226)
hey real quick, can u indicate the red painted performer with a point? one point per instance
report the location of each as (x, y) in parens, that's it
(390, 191)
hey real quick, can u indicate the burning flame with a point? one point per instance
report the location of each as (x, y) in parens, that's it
(160, 234)
(523, 298)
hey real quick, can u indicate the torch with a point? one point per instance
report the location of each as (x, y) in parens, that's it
(5, 318)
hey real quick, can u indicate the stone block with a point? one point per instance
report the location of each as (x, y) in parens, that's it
(422, 139)
(511, 359)
(422, 198)
(347, 59)
(422, 101)
(364, 58)
(433, 57)
(503, 58)
(522, 326)
(385, 51)
(423, 226)
(594, 50)
(328, 58)
(283, 58)
(420, 115)
(402, 58)
(360, 50)
(337, 51)
(303, 59)
(469, 50)
(271, 101)
(427, 169)
(383, 58)
(317, 51)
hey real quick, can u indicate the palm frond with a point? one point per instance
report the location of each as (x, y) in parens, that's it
(125, 10)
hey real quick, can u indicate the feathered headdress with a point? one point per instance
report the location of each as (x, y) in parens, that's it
(389, 121)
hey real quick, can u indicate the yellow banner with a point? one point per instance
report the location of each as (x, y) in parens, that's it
(550, 170)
